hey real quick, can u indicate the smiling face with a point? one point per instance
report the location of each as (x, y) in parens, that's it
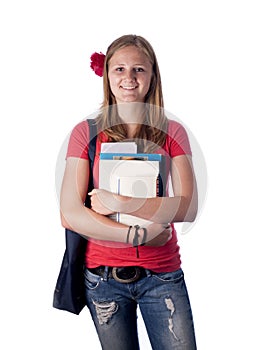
(129, 74)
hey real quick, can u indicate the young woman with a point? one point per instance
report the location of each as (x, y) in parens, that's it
(129, 266)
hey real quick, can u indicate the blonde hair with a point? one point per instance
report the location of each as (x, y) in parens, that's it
(152, 132)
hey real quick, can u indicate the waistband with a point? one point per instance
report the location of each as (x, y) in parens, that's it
(126, 274)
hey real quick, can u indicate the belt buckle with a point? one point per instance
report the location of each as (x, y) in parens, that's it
(129, 280)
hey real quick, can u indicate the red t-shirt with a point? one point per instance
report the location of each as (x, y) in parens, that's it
(158, 259)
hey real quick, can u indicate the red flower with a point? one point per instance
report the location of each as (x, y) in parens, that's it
(97, 63)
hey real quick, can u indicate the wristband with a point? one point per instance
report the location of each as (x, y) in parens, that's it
(144, 236)
(135, 242)
(128, 234)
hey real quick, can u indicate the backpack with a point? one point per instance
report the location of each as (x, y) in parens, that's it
(69, 294)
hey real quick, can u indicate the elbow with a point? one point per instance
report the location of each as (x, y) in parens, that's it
(192, 206)
(64, 221)
(191, 215)
(70, 216)
(189, 209)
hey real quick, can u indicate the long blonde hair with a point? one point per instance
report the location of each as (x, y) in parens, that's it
(152, 132)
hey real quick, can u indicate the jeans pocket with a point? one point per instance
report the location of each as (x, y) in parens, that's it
(91, 280)
(175, 276)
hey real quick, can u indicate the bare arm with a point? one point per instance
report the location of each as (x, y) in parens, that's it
(181, 207)
(75, 216)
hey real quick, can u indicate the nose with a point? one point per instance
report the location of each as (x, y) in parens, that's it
(130, 74)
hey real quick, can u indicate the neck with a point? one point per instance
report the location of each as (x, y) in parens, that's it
(132, 114)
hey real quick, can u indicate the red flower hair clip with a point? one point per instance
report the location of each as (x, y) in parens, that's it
(97, 63)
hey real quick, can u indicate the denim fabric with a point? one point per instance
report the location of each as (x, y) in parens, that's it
(164, 305)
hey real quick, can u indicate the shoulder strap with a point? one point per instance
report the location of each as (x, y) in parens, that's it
(92, 140)
(92, 151)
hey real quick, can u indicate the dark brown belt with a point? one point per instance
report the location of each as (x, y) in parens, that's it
(126, 274)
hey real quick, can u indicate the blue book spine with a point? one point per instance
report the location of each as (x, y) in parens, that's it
(131, 156)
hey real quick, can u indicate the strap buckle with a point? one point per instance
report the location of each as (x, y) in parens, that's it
(126, 274)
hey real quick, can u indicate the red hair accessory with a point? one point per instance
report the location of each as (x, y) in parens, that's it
(97, 63)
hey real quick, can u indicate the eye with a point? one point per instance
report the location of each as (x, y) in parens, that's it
(119, 69)
(139, 69)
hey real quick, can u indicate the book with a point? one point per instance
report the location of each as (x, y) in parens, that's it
(125, 147)
(161, 159)
(131, 156)
(134, 186)
(132, 174)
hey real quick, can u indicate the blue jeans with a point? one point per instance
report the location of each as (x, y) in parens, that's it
(164, 305)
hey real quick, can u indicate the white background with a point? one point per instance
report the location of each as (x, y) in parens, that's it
(210, 56)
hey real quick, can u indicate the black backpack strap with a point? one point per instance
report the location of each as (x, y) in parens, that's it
(92, 140)
(92, 152)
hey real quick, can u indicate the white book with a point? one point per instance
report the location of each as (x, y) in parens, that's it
(135, 178)
(118, 147)
(134, 186)
(111, 170)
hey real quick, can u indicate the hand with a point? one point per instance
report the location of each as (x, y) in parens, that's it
(102, 201)
(160, 234)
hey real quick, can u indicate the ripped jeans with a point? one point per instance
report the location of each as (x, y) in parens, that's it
(164, 305)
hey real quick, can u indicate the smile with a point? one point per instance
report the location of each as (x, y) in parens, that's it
(129, 87)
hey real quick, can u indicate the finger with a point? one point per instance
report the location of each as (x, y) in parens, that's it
(94, 191)
(166, 226)
(170, 229)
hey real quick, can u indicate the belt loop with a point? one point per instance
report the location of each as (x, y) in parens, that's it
(148, 272)
(106, 273)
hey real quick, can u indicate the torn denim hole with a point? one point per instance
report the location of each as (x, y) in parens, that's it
(170, 306)
(105, 310)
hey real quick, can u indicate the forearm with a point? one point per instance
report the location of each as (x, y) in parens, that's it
(93, 225)
(99, 227)
(160, 209)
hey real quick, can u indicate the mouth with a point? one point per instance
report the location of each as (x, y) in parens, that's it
(129, 87)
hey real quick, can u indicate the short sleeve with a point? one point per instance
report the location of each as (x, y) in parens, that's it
(78, 141)
(177, 139)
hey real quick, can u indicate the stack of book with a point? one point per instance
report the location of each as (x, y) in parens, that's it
(124, 171)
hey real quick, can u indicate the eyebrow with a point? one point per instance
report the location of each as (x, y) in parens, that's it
(123, 64)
